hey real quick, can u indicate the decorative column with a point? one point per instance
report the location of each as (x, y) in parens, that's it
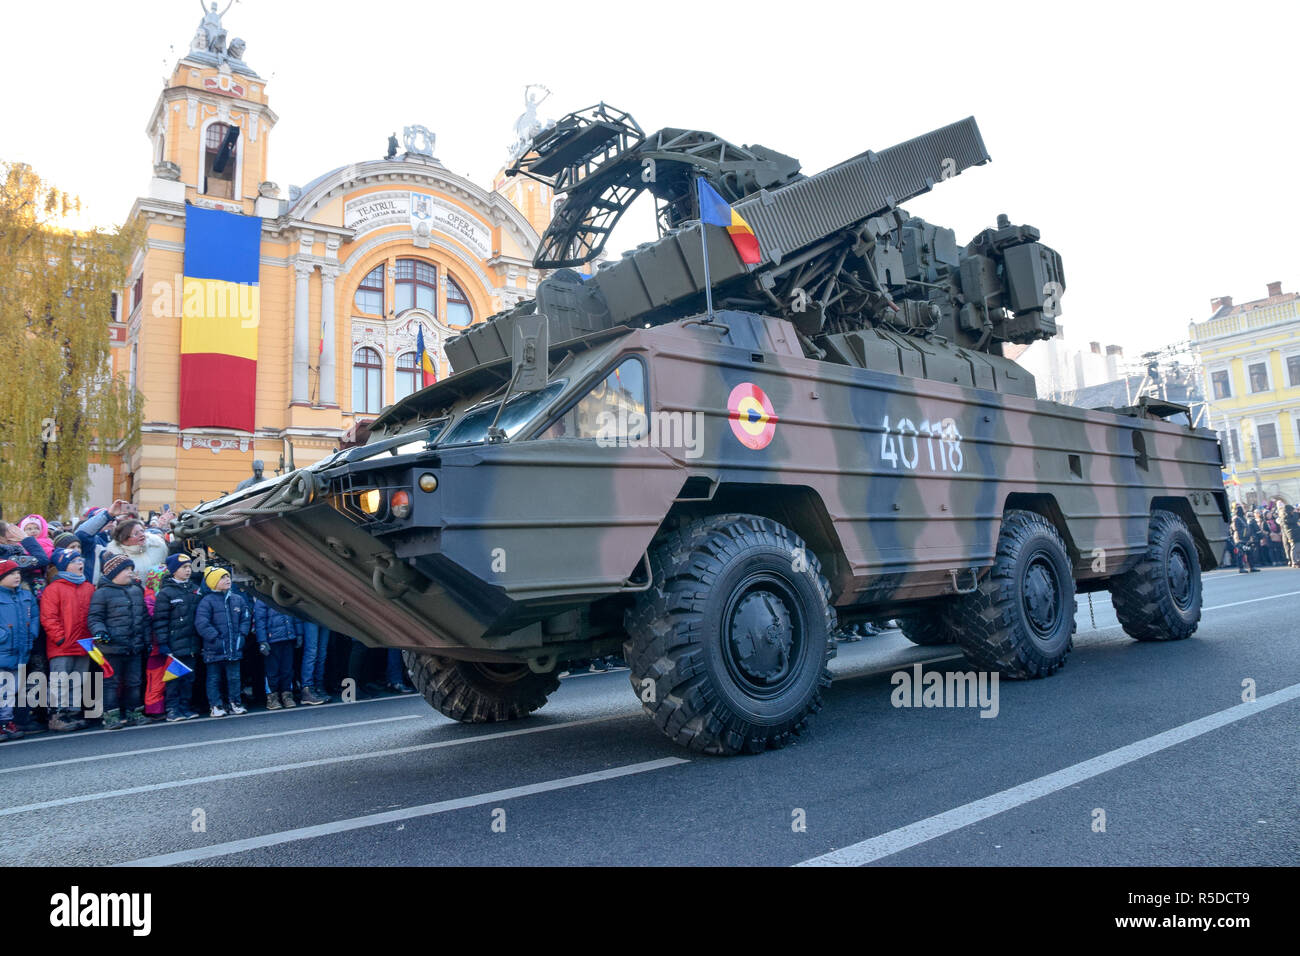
(327, 276)
(302, 272)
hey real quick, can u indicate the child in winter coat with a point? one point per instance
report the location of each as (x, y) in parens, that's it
(19, 625)
(223, 620)
(119, 625)
(65, 612)
(174, 610)
(278, 633)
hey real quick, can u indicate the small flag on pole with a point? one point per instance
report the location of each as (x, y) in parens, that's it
(175, 669)
(428, 374)
(715, 211)
(96, 655)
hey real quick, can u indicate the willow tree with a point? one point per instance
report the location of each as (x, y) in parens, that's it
(60, 403)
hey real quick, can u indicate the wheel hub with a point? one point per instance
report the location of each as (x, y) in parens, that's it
(1040, 597)
(761, 636)
(1180, 578)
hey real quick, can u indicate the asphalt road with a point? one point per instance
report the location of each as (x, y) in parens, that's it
(1153, 741)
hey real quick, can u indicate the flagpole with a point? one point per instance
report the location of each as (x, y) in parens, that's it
(704, 244)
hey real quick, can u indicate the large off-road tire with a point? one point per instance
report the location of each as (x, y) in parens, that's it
(1160, 598)
(728, 648)
(1020, 619)
(477, 692)
(928, 629)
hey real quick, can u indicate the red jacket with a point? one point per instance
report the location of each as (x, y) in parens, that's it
(65, 608)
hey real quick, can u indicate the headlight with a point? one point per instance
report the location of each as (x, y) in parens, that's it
(401, 504)
(370, 501)
(428, 481)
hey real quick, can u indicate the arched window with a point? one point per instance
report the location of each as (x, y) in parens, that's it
(370, 294)
(459, 311)
(417, 286)
(409, 380)
(220, 159)
(367, 381)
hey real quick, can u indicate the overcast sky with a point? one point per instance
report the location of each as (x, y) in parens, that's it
(1155, 145)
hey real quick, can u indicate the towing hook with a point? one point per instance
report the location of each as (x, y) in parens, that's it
(282, 595)
(384, 561)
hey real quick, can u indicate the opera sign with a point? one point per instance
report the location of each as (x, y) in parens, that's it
(422, 212)
(223, 83)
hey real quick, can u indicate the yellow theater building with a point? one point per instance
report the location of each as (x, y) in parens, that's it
(351, 267)
(1251, 355)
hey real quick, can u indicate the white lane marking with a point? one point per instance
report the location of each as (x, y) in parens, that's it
(1219, 607)
(942, 824)
(393, 816)
(211, 743)
(308, 708)
(321, 762)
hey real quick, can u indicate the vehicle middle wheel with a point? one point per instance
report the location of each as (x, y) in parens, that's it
(1020, 619)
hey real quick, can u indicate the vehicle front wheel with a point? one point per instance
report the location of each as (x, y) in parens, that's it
(728, 648)
(477, 692)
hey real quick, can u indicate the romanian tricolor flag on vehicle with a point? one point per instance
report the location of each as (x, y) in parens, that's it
(221, 314)
(428, 371)
(715, 211)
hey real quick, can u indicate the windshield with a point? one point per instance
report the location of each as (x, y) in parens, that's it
(519, 411)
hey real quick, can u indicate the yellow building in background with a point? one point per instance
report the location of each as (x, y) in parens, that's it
(1251, 357)
(352, 266)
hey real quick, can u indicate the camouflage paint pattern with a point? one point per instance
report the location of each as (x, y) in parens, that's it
(531, 547)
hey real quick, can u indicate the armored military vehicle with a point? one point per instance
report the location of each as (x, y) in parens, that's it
(704, 475)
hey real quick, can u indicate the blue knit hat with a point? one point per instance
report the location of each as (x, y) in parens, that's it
(62, 557)
(174, 562)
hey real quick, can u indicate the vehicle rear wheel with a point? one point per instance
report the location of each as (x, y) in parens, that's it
(1020, 619)
(728, 648)
(478, 692)
(1160, 598)
(929, 629)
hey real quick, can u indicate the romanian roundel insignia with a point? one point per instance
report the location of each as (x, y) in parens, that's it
(753, 419)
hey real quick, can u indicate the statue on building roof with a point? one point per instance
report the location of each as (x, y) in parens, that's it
(392, 145)
(528, 125)
(211, 35)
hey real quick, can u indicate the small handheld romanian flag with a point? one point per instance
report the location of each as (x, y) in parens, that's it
(96, 655)
(715, 211)
(428, 374)
(175, 669)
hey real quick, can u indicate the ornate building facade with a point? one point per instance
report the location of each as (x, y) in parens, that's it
(352, 266)
(1251, 355)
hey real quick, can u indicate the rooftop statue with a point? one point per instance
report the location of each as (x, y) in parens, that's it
(211, 35)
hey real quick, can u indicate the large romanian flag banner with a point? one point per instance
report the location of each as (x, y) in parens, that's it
(220, 317)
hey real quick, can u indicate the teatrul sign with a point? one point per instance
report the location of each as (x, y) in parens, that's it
(394, 208)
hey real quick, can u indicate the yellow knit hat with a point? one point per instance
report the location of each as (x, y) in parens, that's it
(212, 576)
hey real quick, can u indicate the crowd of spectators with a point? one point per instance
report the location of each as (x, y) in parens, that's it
(1266, 536)
(121, 600)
